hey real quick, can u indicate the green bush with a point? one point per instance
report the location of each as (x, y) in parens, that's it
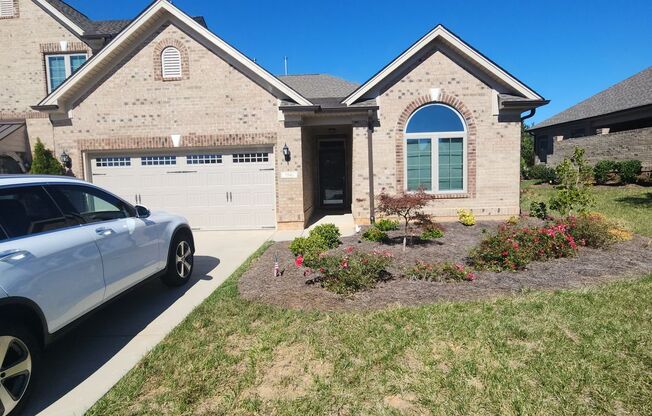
(440, 272)
(595, 230)
(353, 271)
(573, 194)
(628, 170)
(387, 225)
(538, 210)
(309, 248)
(44, 162)
(543, 173)
(603, 169)
(432, 233)
(327, 232)
(375, 234)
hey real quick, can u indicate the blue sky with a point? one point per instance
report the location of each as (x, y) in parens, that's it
(565, 50)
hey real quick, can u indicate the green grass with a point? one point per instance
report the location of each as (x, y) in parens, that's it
(632, 203)
(568, 352)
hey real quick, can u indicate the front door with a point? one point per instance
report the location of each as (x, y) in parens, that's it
(332, 173)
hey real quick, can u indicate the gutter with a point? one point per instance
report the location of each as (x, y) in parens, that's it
(52, 107)
(320, 109)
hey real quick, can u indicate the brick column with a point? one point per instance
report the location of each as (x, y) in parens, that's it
(289, 190)
(360, 170)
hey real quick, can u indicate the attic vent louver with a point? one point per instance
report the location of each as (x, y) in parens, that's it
(7, 8)
(171, 63)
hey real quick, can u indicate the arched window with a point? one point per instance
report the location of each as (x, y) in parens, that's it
(435, 149)
(171, 63)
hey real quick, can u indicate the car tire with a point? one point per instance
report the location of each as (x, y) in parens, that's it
(20, 358)
(180, 261)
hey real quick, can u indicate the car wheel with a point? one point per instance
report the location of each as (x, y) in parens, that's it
(180, 261)
(19, 362)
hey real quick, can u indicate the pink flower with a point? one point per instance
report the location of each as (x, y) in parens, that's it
(298, 261)
(470, 276)
(349, 249)
(505, 254)
(345, 264)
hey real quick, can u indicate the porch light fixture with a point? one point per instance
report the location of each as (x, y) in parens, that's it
(286, 153)
(66, 161)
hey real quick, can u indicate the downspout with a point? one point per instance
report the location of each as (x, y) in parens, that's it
(530, 115)
(370, 148)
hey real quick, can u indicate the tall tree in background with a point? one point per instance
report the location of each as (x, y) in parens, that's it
(44, 162)
(527, 150)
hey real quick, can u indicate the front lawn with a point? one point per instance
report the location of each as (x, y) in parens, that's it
(572, 352)
(630, 203)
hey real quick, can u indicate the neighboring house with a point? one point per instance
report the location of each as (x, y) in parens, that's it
(613, 124)
(169, 115)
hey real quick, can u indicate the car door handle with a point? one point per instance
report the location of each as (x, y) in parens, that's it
(14, 255)
(104, 232)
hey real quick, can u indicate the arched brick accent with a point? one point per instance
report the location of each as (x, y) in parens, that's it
(471, 133)
(185, 59)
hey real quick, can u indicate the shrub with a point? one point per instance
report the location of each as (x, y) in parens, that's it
(407, 206)
(349, 272)
(308, 247)
(573, 194)
(387, 225)
(44, 162)
(628, 170)
(466, 217)
(327, 232)
(431, 233)
(440, 272)
(543, 173)
(603, 169)
(538, 210)
(375, 234)
(514, 248)
(595, 230)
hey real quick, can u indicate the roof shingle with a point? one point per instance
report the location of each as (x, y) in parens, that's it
(319, 85)
(635, 91)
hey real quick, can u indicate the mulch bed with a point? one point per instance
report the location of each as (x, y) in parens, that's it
(626, 260)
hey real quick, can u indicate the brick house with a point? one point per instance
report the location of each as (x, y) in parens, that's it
(167, 114)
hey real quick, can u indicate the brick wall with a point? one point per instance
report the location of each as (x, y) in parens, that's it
(493, 146)
(212, 105)
(25, 40)
(624, 145)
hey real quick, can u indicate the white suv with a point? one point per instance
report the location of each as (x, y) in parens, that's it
(66, 248)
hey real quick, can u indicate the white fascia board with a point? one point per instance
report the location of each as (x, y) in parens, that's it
(61, 17)
(155, 8)
(469, 52)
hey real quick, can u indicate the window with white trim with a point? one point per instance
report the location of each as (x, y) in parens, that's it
(60, 67)
(7, 8)
(250, 157)
(171, 63)
(203, 159)
(112, 162)
(435, 150)
(158, 160)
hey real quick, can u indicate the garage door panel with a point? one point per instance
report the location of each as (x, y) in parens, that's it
(216, 190)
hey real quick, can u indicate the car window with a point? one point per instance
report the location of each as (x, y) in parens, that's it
(89, 204)
(28, 210)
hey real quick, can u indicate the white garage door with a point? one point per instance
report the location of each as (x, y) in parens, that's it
(213, 189)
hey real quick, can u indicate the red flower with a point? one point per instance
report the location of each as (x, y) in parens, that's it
(349, 249)
(298, 261)
(345, 264)
(470, 276)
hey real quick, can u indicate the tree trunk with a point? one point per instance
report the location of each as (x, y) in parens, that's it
(405, 233)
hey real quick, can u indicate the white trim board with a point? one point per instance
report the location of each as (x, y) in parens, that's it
(60, 16)
(140, 24)
(470, 53)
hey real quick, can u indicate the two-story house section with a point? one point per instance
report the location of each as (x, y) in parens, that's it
(43, 42)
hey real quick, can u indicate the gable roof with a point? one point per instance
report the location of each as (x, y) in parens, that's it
(635, 91)
(134, 33)
(319, 85)
(441, 33)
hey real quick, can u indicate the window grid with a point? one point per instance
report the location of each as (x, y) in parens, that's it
(250, 157)
(60, 67)
(158, 160)
(111, 162)
(451, 164)
(203, 159)
(419, 164)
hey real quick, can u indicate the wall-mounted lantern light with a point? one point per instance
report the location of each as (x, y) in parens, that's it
(66, 161)
(286, 153)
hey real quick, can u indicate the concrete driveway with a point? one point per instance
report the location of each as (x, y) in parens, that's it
(86, 363)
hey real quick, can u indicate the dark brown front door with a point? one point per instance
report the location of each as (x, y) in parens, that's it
(332, 173)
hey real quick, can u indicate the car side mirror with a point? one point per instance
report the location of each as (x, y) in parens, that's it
(142, 212)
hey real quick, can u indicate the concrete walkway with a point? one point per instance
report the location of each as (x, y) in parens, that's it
(85, 364)
(344, 222)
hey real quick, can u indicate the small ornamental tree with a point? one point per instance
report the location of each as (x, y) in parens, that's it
(44, 162)
(573, 194)
(406, 205)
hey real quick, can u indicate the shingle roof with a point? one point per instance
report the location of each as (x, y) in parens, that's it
(319, 85)
(633, 92)
(6, 128)
(98, 27)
